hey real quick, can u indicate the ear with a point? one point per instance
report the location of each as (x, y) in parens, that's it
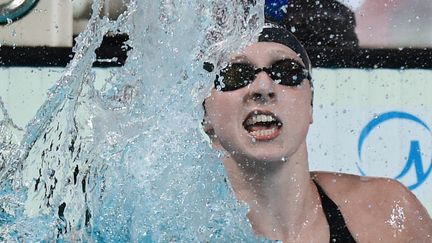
(209, 130)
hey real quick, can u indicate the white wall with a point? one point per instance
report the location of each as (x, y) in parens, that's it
(346, 100)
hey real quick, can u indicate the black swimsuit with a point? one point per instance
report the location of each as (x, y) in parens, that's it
(339, 232)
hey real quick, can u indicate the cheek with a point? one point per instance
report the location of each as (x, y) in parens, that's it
(298, 110)
(220, 112)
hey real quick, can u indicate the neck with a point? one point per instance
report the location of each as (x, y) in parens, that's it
(281, 195)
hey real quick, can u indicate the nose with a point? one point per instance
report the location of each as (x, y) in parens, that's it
(262, 89)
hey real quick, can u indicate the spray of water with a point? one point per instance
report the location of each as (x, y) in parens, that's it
(128, 162)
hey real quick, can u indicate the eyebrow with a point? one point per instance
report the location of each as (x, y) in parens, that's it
(240, 61)
(281, 53)
(240, 58)
(277, 55)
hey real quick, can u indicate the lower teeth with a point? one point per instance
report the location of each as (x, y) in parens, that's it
(263, 132)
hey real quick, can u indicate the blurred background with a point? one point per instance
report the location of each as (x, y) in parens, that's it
(48, 22)
(372, 59)
(376, 23)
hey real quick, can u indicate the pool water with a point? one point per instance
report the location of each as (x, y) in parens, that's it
(129, 162)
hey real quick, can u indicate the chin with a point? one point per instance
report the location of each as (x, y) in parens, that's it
(271, 158)
(266, 155)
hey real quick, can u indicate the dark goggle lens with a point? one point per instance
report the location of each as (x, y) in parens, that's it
(237, 75)
(288, 72)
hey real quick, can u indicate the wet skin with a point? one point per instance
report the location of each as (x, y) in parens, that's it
(227, 111)
(269, 171)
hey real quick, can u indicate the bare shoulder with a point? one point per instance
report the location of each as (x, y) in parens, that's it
(377, 209)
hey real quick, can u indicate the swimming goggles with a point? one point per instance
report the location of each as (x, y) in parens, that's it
(237, 75)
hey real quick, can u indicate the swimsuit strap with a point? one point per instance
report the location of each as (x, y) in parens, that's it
(339, 231)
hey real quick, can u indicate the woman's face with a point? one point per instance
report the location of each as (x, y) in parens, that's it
(263, 121)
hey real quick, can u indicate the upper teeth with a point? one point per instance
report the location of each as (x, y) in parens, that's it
(260, 118)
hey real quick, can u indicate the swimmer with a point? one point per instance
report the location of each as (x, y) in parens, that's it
(259, 113)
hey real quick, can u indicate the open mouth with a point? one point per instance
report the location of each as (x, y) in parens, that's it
(262, 125)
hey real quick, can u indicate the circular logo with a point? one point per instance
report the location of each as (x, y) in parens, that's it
(11, 10)
(398, 145)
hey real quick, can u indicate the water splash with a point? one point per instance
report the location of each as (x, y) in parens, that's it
(128, 162)
(10, 135)
(397, 219)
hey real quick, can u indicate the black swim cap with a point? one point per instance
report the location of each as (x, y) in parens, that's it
(275, 33)
(272, 32)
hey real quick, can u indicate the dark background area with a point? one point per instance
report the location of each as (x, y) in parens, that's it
(321, 56)
(327, 30)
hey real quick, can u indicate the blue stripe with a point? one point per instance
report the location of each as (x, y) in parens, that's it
(275, 9)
